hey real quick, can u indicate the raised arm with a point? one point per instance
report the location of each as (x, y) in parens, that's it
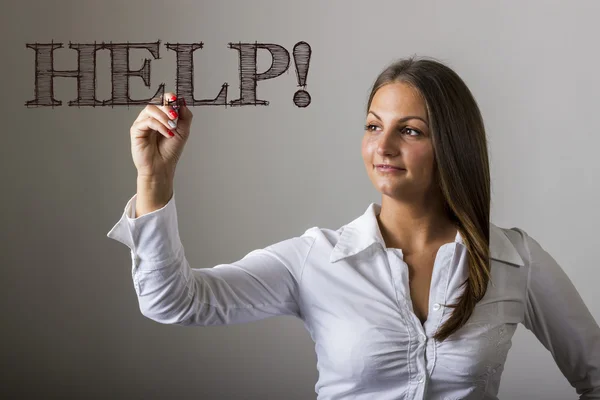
(558, 317)
(264, 283)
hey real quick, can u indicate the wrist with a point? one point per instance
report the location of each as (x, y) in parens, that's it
(153, 193)
(155, 180)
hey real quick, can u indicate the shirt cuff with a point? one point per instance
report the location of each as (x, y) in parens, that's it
(153, 238)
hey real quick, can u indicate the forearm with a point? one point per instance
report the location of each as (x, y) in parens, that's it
(152, 194)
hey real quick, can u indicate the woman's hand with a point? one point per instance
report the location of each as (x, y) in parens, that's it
(155, 152)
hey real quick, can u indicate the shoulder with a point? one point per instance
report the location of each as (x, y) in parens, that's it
(324, 234)
(302, 244)
(529, 249)
(509, 245)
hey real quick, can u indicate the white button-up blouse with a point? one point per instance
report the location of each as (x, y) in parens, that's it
(352, 293)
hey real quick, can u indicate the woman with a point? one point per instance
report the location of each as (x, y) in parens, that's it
(419, 297)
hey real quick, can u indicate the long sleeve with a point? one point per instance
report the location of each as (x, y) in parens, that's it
(264, 283)
(558, 317)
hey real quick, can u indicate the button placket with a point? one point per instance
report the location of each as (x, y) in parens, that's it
(419, 361)
(440, 281)
(417, 349)
(394, 257)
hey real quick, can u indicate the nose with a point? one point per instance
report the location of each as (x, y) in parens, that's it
(387, 144)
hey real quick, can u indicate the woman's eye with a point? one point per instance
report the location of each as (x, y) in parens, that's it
(414, 130)
(370, 127)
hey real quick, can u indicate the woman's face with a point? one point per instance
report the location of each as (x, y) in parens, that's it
(395, 135)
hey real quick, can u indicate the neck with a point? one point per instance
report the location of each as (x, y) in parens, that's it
(414, 227)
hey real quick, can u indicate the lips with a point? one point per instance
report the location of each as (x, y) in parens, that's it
(387, 166)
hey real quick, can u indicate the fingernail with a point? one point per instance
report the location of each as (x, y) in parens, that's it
(173, 114)
(171, 133)
(173, 98)
(172, 124)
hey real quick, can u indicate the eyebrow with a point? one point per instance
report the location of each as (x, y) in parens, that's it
(404, 118)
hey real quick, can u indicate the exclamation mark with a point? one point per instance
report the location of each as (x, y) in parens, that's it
(302, 59)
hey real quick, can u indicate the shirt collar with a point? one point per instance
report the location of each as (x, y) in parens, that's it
(364, 232)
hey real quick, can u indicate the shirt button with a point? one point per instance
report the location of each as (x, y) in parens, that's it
(436, 306)
(423, 338)
(420, 379)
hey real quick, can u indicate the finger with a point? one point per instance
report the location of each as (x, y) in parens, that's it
(169, 97)
(166, 102)
(163, 99)
(170, 107)
(150, 123)
(176, 103)
(164, 114)
(142, 115)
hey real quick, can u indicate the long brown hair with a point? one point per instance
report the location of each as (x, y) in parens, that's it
(462, 167)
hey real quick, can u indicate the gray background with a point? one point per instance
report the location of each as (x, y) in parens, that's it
(252, 176)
